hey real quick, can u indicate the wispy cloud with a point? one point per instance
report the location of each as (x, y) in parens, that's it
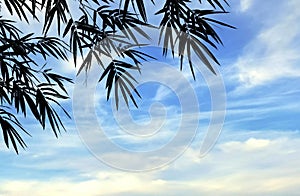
(273, 53)
(245, 5)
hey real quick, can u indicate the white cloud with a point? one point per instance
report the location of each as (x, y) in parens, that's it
(102, 183)
(273, 53)
(250, 145)
(245, 5)
(161, 93)
(251, 166)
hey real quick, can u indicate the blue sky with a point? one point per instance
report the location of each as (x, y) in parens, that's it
(257, 152)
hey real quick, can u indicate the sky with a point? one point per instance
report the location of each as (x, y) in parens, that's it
(256, 153)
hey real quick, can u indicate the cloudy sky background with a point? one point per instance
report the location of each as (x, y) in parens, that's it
(257, 152)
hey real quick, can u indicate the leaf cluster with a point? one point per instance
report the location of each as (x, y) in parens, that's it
(190, 30)
(95, 29)
(25, 87)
